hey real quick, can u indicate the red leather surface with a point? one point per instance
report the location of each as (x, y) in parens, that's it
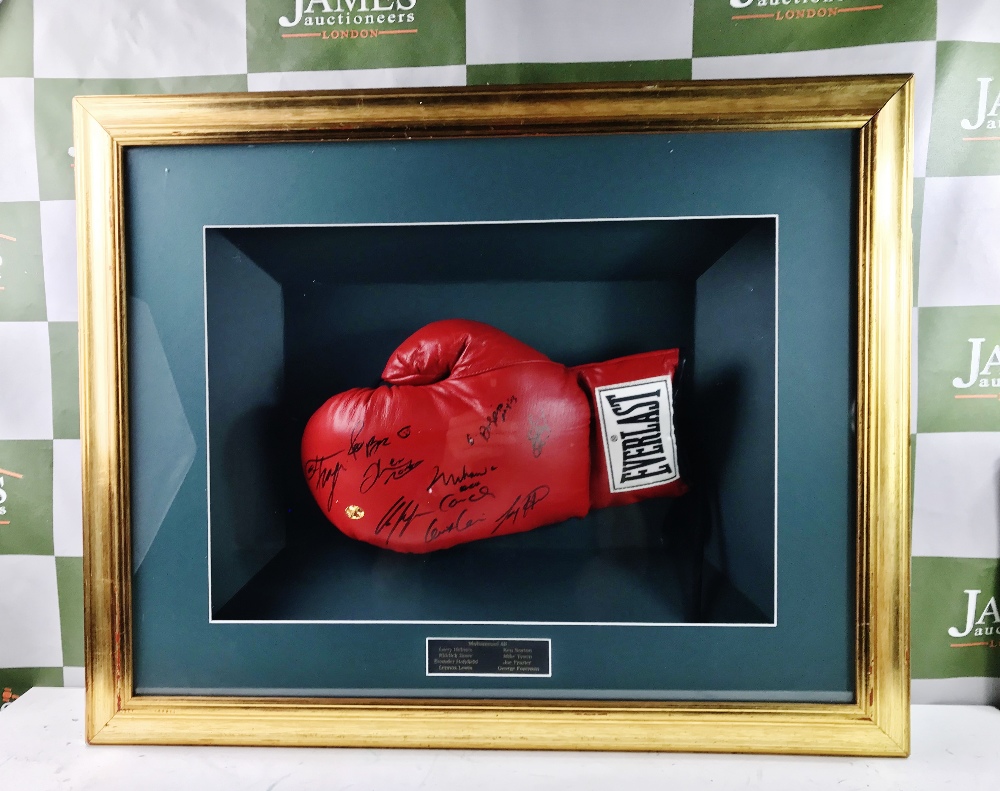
(476, 435)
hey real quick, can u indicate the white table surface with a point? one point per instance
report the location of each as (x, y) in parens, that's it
(42, 747)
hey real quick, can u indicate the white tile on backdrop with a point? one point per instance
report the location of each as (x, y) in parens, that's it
(29, 612)
(956, 510)
(59, 259)
(19, 173)
(968, 20)
(67, 507)
(73, 677)
(25, 382)
(112, 39)
(959, 250)
(916, 57)
(577, 31)
(417, 77)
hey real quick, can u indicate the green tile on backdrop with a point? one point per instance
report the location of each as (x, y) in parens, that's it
(958, 369)
(537, 73)
(917, 219)
(321, 35)
(14, 682)
(26, 497)
(54, 117)
(69, 577)
(16, 37)
(965, 122)
(955, 617)
(65, 380)
(22, 280)
(752, 27)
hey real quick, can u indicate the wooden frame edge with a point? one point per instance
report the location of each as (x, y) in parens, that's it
(878, 724)
(885, 308)
(106, 551)
(802, 729)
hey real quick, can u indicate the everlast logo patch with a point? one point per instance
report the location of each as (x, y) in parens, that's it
(637, 429)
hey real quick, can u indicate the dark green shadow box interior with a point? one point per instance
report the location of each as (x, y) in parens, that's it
(551, 240)
(297, 314)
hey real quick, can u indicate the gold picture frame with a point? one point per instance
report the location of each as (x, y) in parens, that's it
(876, 723)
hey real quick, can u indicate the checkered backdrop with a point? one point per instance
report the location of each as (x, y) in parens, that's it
(51, 50)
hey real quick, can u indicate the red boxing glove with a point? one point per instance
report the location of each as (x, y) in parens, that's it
(479, 435)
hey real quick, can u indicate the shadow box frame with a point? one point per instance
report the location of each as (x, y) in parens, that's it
(879, 108)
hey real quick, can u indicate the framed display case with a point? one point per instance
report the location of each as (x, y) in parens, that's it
(244, 258)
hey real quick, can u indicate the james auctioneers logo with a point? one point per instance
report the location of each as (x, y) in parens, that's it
(982, 115)
(26, 498)
(797, 9)
(4, 521)
(352, 19)
(980, 378)
(965, 125)
(755, 27)
(978, 624)
(9, 239)
(955, 617)
(958, 369)
(323, 35)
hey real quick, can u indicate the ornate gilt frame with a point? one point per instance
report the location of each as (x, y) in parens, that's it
(876, 724)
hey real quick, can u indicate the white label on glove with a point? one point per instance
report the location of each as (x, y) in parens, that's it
(637, 429)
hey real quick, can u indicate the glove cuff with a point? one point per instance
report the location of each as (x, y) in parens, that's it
(633, 436)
